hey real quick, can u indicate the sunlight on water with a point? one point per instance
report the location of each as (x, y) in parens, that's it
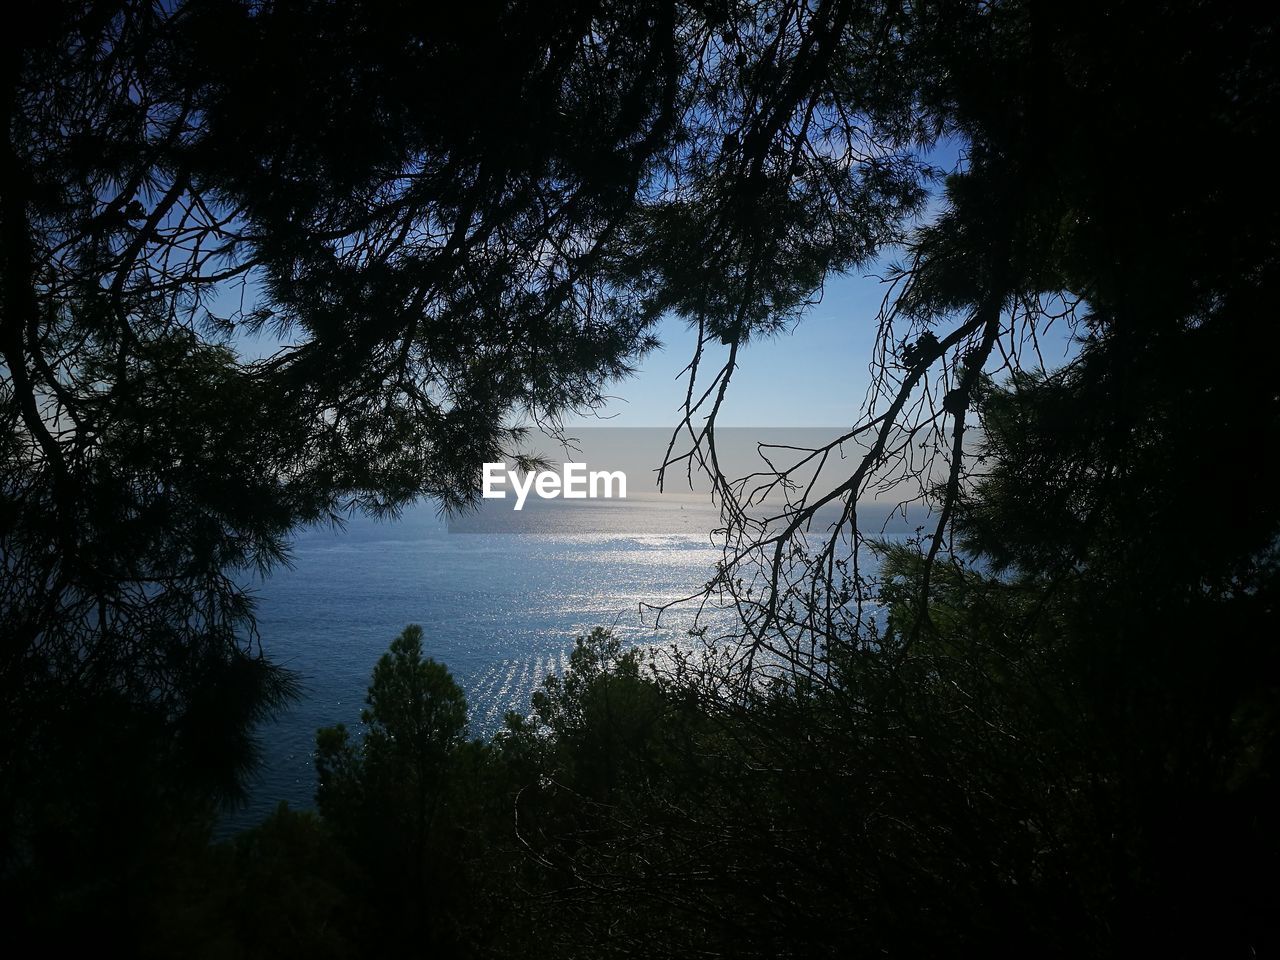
(500, 610)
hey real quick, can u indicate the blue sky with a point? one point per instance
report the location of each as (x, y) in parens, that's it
(816, 375)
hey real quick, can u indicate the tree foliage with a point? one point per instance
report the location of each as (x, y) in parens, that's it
(388, 797)
(1047, 724)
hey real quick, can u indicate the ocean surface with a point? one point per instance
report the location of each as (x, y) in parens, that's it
(500, 610)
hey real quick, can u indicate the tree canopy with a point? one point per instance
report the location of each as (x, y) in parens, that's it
(263, 264)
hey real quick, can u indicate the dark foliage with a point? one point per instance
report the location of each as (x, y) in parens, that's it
(1058, 735)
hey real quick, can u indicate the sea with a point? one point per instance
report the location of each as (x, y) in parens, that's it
(501, 607)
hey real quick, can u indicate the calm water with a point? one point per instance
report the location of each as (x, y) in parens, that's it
(500, 610)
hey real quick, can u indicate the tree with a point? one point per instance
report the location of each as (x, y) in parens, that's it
(1071, 608)
(1057, 216)
(387, 798)
(431, 269)
(275, 890)
(415, 719)
(437, 267)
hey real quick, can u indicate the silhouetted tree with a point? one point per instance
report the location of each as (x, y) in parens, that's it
(387, 796)
(422, 270)
(1042, 727)
(1077, 592)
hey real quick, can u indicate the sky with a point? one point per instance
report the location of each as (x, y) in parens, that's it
(816, 375)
